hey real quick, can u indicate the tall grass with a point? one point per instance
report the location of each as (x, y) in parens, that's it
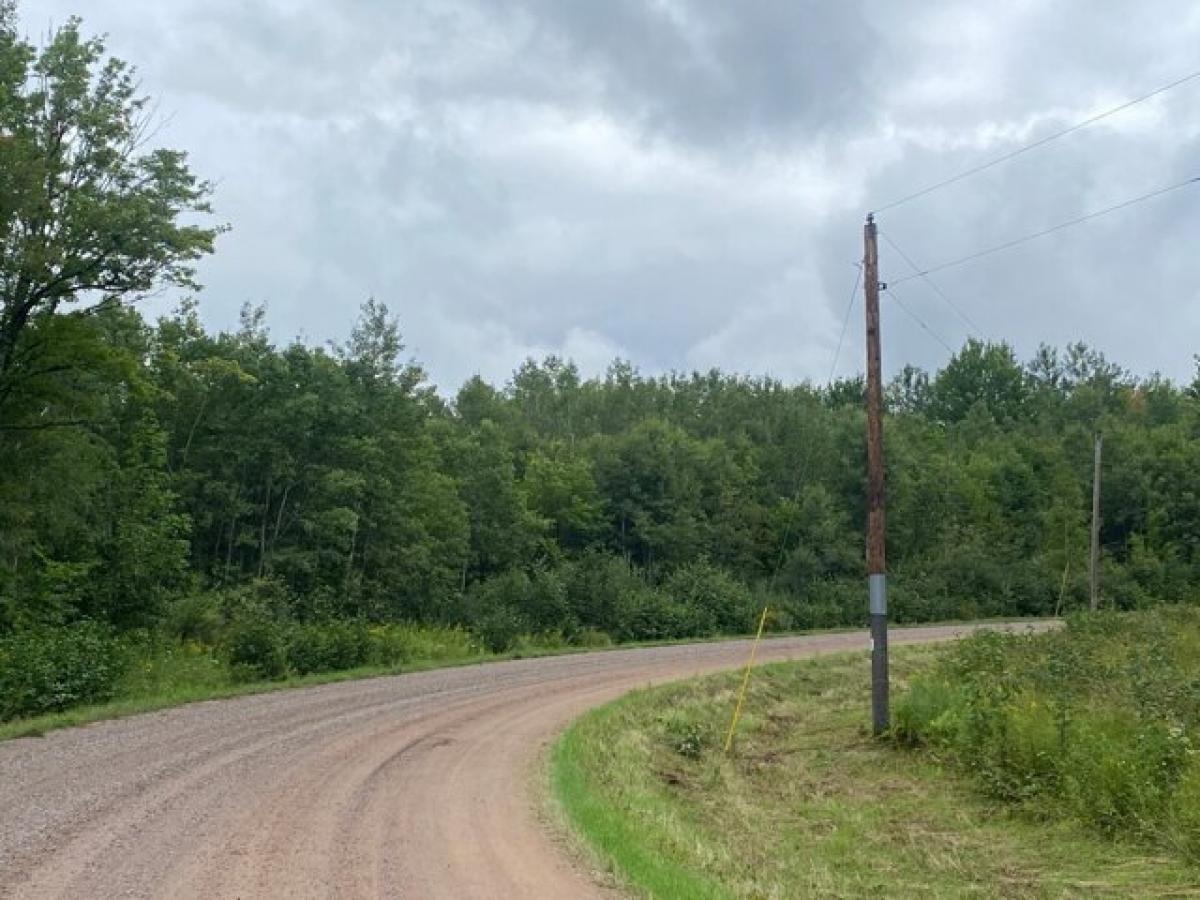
(1098, 722)
(810, 804)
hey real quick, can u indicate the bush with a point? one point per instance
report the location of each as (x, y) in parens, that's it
(927, 713)
(327, 647)
(711, 600)
(255, 649)
(644, 614)
(1184, 816)
(828, 603)
(499, 628)
(161, 666)
(496, 609)
(1099, 722)
(195, 617)
(50, 669)
(404, 643)
(601, 588)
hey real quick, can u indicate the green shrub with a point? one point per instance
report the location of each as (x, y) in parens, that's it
(499, 628)
(195, 617)
(828, 603)
(711, 600)
(1099, 722)
(1183, 822)
(645, 614)
(50, 669)
(163, 666)
(928, 713)
(546, 606)
(327, 647)
(256, 649)
(405, 643)
(388, 645)
(601, 590)
(686, 735)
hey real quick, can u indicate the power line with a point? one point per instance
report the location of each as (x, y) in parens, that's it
(1038, 143)
(1037, 234)
(845, 323)
(933, 334)
(972, 328)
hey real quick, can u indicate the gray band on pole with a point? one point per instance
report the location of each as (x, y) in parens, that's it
(877, 591)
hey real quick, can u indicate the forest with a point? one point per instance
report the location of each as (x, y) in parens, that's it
(164, 482)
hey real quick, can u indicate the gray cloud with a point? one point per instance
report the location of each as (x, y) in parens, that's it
(676, 181)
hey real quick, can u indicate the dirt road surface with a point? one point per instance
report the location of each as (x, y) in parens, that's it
(415, 786)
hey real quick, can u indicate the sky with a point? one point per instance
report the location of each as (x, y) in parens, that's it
(681, 183)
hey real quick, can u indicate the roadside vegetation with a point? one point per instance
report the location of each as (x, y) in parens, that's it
(1098, 723)
(56, 677)
(228, 508)
(810, 805)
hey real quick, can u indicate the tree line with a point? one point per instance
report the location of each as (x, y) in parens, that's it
(155, 475)
(342, 485)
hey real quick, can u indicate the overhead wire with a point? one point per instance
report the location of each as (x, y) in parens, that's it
(845, 322)
(933, 334)
(988, 251)
(973, 329)
(1091, 120)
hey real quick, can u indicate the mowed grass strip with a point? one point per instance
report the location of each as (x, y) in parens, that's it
(810, 805)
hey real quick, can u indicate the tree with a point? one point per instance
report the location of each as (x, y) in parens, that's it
(88, 215)
(908, 392)
(561, 487)
(982, 374)
(144, 558)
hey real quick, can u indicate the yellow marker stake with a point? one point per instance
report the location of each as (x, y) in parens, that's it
(737, 712)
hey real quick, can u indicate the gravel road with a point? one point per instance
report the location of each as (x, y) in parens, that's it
(415, 786)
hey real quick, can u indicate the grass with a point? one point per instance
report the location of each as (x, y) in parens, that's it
(809, 805)
(1098, 722)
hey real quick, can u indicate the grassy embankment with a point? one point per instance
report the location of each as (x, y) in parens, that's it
(810, 805)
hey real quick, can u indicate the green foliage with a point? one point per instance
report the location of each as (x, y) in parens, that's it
(405, 642)
(73, 126)
(256, 648)
(195, 617)
(48, 669)
(981, 376)
(686, 734)
(328, 647)
(221, 487)
(144, 558)
(709, 600)
(1099, 722)
(499, 628)
(809, 805)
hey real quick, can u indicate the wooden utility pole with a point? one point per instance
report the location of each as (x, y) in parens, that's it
(876, 567)
(1095, 561)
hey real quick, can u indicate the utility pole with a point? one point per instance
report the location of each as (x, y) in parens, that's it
(1095, 561)
(876, 568)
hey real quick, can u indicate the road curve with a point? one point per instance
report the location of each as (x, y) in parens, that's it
(410, 786)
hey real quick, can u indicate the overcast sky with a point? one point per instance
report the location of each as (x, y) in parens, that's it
(680, 182)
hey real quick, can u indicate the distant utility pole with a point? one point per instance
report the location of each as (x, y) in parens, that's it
(876, 568)
(1095, 562)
